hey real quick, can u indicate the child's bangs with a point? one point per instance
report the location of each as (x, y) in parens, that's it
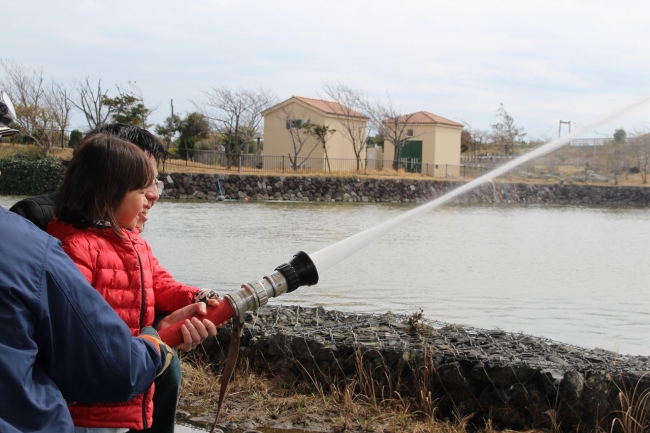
(137, 168)
(144, 178)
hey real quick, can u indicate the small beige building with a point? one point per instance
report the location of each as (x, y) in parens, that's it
(432, 141)
(287, 144)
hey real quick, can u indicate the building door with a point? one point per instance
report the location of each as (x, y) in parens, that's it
(411, 156)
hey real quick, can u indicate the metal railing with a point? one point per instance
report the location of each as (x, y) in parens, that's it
(251, 163)
(545, 168)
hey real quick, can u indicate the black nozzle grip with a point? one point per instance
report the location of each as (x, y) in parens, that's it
(300, 271)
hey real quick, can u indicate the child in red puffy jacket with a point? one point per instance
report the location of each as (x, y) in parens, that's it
(102, 195)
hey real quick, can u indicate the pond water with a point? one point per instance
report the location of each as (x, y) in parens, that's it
(574, 274)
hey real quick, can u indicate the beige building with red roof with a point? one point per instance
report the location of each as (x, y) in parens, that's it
(285, 137)
(433, 141)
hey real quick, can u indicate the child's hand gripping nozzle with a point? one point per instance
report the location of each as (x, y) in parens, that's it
(299, 271)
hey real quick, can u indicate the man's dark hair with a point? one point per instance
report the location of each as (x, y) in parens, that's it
(142, 138)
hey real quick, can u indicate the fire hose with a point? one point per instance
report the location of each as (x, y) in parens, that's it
(299, 271)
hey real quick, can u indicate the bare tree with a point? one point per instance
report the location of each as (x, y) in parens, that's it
(32, 99)
(612, 158)
(58, 98)
(236, 114)
(299, 139)
(640, 150)
(321, 133)
(392, 125)
(473, 139)
(91, 102)
(352, 103)
(505, 133)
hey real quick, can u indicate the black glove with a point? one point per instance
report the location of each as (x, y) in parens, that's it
(204, 294)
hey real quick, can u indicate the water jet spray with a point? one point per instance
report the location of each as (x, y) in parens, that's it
(335, 253)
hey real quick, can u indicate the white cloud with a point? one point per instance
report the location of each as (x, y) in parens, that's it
(545, 60)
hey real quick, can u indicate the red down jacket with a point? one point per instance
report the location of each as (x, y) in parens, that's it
(129, 277)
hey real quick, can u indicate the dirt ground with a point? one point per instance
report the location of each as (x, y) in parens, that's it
(252, 402)
(242, 411)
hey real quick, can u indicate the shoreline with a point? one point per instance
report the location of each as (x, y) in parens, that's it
(184, 186)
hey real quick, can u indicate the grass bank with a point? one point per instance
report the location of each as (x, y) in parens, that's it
(8, 150)
(279, 401)
(258, 401)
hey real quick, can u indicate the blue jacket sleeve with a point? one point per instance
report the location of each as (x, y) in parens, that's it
(87, 349)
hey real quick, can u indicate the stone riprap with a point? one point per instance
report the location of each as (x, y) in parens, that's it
(516, 380)
(348, 189)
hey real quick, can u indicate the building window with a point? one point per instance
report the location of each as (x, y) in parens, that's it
(409, 133)
(294, 124)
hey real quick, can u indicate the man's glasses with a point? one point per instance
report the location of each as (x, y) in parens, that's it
(160, 185)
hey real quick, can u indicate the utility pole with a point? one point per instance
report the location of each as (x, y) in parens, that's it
(559, 131)
(170, 125)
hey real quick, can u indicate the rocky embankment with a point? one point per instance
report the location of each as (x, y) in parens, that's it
(516, 380)
(347, 189)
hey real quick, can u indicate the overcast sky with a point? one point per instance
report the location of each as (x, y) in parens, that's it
(546, 60)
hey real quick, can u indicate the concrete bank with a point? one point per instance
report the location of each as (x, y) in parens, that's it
(293, 188)
(516, 380)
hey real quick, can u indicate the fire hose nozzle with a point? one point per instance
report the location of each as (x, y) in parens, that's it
(299, 271)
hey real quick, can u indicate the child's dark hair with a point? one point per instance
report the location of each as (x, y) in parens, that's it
(102, 171)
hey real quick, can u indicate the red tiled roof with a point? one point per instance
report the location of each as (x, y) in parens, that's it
(328, 107)
(424, 117)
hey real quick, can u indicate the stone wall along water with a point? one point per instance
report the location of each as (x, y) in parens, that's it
(350, 189)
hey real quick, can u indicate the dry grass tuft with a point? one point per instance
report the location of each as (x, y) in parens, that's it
(8, 150)
(354, 405)
(358, 404)
(634, 413)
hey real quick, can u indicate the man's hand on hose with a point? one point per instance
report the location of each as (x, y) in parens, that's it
(194, 331)
(166, 352)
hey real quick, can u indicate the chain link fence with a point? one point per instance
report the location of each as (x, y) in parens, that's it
(250, 164)
(550, 168)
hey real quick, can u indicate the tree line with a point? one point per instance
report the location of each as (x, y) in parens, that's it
(225, 119)
(622, 156)
(231, 120)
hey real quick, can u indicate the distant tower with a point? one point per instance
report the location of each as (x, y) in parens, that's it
(562, 122)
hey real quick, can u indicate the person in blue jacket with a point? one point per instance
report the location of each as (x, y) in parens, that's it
(60, 341)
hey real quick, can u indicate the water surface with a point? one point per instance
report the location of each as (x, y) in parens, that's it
(574, 274)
